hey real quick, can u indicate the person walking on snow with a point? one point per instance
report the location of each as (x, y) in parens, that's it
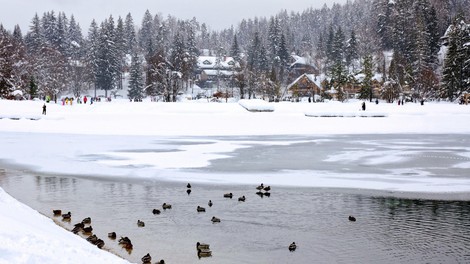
(363, 106)
(44, 109)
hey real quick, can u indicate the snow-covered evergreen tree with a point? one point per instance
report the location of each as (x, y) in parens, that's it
(136, 79)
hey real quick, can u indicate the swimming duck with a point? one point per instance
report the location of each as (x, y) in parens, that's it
(215, 220)
(87, 229)
(210, 203)
(241, 199)
(112, 235)
(57, 212)
(140, 223)
(352, 218)
(200, 209)
(166, 206)
(87, 220)
(188, 191)
(260, 187)
(292, 246)
(228, 195)
(204, 253)
(156, 211)
(125, 242)
(161, 262)
(202, 246)
(67, 216)
(188, 186)
(267, 188)
(147, 258)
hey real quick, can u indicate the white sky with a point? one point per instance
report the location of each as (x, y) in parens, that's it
(217, 14)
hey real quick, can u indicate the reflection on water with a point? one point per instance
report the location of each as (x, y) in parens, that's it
(388, 230)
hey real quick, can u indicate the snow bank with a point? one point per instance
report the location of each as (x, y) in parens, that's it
(256, 105)
(29, 237)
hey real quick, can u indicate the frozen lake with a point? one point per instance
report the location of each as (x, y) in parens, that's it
(408, 192)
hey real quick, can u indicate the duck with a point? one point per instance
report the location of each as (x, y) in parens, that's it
(112, 235)
(204, 253)
(147, 258)
(99, 243)
(92, 239)
(215, 220)
(210, 203)
(202, 246)
(260, 187)
(87, 220)
(267, 188)
(67, 216)
(57, 212)
(188, 191)
(87, 229)
(76, 229)
(166, 206)
(156, 211)
(241, 199)
(140, 223)
(352, 218)
(200, 209)
(79, 225)
(228, 195)
(188, 186)
(292, 246)
(126, 243)
(161, 262)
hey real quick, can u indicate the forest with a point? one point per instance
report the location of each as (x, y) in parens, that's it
(417, 48)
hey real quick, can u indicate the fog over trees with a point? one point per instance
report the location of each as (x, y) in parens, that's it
(419, 46)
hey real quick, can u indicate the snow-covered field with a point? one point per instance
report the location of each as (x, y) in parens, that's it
(29, 237)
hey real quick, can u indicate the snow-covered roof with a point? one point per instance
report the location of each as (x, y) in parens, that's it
(311, 77)
(302, 61)
(215, 72)
(210, 62)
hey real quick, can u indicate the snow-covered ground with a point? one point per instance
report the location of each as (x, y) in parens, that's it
(28, 138)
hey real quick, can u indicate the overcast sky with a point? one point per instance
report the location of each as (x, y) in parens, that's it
(217, 14)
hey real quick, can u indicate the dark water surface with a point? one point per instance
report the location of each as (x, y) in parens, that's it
(387, 230)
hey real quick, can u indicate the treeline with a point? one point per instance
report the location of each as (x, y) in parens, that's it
(160, 53)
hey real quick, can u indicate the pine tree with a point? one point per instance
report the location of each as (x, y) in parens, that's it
(92, 55)
(136, 80)
(456, 77)
(129, 31)
(351, 50)
(235, 49)
(146, 34)
(283, 52)
(35, 38)
(366, 87)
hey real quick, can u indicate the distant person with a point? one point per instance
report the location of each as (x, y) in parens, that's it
(363, 106)
(422, 101)
(85, 99)
(376, 101)
(44, 109)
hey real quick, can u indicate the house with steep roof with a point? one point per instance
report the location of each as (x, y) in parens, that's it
(212, 69)
(306, 85)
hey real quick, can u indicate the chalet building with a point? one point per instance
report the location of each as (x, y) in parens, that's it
(306, 85)
(211, 69)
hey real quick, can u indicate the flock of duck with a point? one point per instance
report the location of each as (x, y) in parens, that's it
(202, 249)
